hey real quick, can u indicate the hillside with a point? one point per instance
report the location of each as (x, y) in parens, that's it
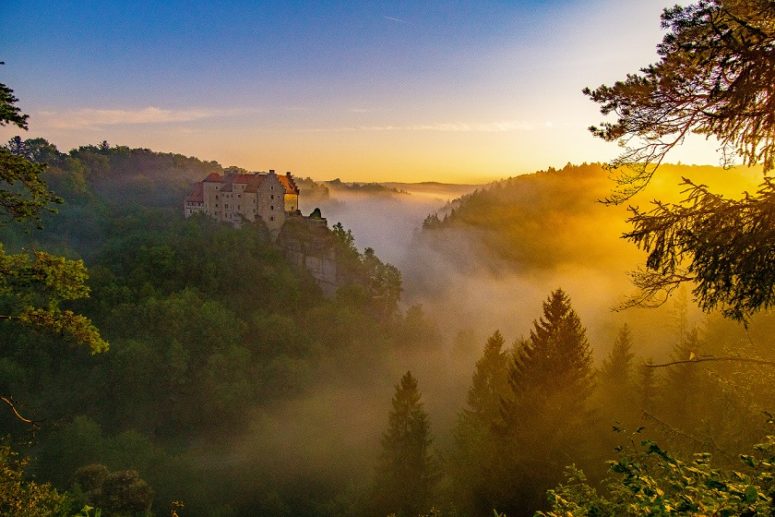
(213, 337)
(506, 244)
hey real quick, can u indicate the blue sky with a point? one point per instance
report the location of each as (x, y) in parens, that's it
(455, 91)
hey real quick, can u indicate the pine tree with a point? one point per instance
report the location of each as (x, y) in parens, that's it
(616, 371)
(684, 383)
(546, 417)
(405, 473)
(616, 387)
(555, 362)
(489, 381)
(474, 452)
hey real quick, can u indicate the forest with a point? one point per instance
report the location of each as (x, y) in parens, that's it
(159, 365)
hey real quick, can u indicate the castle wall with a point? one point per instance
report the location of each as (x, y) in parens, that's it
(269, 203)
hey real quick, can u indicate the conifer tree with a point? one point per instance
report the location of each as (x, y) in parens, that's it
(683, 382)
(616, 386)
(616, 367)
(474, 449)
(555, 361)
(547, 422)
(489, 382)
(405, 473)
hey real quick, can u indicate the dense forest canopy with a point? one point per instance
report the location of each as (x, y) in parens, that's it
(153, 364)
(202, 373)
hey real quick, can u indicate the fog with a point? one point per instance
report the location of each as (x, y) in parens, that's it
(467, 292)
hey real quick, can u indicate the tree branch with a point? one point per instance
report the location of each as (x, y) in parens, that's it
(707, 359)
(16, 413)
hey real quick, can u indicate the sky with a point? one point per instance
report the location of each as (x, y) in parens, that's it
(454, 91)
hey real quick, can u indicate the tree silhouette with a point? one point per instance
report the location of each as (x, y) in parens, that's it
(405, 474)
(547, 422)
(475, 450)
(715, 77)
(33, 287)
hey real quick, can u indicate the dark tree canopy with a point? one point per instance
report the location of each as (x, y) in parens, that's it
(715, 77)
(405, 473)
(32, 288)
(23, 194)
(725, 246)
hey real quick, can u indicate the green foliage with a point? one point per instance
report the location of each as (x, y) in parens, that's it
(345, 237)
(476, 450)
(555, 362)
(33, 288)
(120, 493)
(9, 111)
(23, 194)
(647, 480)
(209, 325)
(405, 474)
(532, 222)
(25, 498)
(546, 412)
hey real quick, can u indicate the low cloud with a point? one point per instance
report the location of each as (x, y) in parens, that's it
(91, 118)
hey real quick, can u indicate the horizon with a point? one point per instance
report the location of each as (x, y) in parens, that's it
(460, 93)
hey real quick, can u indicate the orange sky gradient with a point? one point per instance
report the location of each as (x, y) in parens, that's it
(459, 93)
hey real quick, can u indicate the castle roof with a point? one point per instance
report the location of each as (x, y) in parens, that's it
(288, 184)
(197, 196)
(252, 181)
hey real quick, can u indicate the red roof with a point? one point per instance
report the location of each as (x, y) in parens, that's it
(197, 196)
(251, 180)
(288, 184)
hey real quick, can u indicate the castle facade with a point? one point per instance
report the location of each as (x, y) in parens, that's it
(235, 197)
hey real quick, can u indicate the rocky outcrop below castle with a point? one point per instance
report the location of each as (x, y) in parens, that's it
(307, 243)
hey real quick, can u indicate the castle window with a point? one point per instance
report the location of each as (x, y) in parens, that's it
(216, 196)
(271, 218)
(271, 207)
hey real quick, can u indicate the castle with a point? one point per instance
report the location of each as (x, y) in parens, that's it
(236, 196)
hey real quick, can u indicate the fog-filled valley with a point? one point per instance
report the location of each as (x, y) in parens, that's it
(236, 386)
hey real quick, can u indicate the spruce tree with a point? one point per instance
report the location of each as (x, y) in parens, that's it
(405, 473)
(617, 366)
(684, 383)
(474, 451)
(616, 386)
(547, 422)
(489, 382)
(554, 363)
